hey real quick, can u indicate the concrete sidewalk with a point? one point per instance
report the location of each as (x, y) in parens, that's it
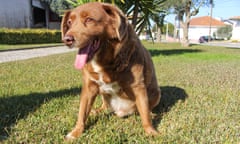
(16, 55)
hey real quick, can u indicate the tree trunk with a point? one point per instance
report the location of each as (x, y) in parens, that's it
(175, 29)
(185, 25)
(135, 14)
(158, 34)
(185, 41)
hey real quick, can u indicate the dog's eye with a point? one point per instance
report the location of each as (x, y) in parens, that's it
(87, 20)
(69, 22)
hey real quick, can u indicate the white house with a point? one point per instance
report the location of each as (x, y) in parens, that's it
(200, 26)
(236, 28)
(27, 14)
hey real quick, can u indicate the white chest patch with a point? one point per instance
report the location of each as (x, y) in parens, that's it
(110, 88)
(119, 105)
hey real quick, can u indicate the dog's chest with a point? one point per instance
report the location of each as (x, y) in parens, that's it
(117, 103)
(105, 86)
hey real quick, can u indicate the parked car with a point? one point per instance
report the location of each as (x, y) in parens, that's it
(204, 39)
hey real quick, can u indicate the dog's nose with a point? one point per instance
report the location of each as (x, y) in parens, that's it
(68, 40)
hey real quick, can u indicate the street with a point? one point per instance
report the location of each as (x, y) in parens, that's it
(223, 44)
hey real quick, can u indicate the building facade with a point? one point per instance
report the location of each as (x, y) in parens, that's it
(200, 26)
(236, 28)
(27, 14)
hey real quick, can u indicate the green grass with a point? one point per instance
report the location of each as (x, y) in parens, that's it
(25, 46)
(39, 99)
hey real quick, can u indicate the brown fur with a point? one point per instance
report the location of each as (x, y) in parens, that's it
(121, 59)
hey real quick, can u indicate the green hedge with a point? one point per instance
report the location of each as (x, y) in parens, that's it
(29, 36)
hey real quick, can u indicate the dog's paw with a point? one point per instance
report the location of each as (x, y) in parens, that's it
(95, 111)
(69, 137)
(75, 133)
(151, 131)
(98, 110)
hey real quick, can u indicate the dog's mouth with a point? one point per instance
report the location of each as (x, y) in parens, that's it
(86, 53)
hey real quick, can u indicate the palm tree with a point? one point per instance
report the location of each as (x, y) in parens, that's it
(76, 3)
(142, 12)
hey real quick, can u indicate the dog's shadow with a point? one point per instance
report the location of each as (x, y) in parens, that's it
(170, 95)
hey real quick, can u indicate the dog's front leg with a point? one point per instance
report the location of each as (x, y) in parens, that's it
(142, 103)
(87, 97)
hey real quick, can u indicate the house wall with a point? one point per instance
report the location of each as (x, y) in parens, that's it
(236, 33)
(15, 14)
(236, 30)
(194, 33)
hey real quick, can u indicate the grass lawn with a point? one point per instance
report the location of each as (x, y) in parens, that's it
(39, 100)
(25, 46)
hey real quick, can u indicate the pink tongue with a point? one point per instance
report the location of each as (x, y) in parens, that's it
(80, 61)
(83, 54)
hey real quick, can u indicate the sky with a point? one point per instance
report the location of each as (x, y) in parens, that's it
(222, 9)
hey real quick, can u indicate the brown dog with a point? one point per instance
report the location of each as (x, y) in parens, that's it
(113, 62)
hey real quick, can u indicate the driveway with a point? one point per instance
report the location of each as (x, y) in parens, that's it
(16, 55)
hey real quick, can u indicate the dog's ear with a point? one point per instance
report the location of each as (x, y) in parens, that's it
(64, 25)
(117, 21)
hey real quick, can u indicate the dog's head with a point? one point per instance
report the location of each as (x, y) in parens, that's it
(89, 22)
(88, 25)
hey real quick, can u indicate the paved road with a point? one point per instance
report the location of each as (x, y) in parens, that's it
(219, 43)
(224, 44)
(8, 56)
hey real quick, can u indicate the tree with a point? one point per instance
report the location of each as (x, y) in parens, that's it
(166, 29)
(159, 22)
(57, 6)
(224, 32)
(142, 12)
(170, 29)
(184, 10)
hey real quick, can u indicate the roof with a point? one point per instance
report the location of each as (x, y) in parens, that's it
(235, 18)
(205, 21)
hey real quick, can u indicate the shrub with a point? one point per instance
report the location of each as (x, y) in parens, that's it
(29, 36)
(225, 32)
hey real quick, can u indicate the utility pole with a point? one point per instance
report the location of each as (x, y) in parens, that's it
(210, 21)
